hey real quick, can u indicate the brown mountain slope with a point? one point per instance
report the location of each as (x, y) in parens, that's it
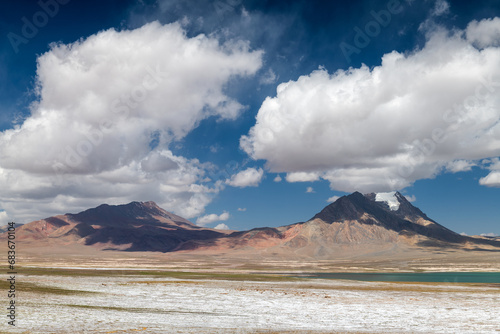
(354, 223)
(136, 226)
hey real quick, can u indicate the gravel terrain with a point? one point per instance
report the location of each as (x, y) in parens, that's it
(138, 304)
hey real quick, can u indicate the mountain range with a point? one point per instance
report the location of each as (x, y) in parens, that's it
(370, 223)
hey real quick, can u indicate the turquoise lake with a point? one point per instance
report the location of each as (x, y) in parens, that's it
(447, 277)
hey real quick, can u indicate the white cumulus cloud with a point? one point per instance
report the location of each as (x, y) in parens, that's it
(460, 166)
(249, 177)
(484, 33)
(332, 199)
(493, 178)
(103, 98)
(221, 226)
(108, 107)
(212, 218)
(302, 177)
(382, 128)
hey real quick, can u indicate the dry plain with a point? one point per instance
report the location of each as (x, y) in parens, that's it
(130, 292)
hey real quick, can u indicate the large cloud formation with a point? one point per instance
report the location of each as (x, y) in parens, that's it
(382, 128)
(108, 108)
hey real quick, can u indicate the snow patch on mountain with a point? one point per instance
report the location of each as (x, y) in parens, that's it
(389, 198)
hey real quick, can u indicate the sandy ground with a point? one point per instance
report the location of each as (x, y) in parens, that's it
(416, 260)
(147, 304)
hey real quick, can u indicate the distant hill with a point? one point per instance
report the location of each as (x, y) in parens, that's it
(357, 223)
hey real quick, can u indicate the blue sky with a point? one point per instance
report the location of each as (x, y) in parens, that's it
(203, 106)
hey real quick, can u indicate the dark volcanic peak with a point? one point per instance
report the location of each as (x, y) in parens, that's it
(126, 214)
(391, 211)
(345, 208)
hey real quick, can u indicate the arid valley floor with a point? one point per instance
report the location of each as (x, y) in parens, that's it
(133, 292)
